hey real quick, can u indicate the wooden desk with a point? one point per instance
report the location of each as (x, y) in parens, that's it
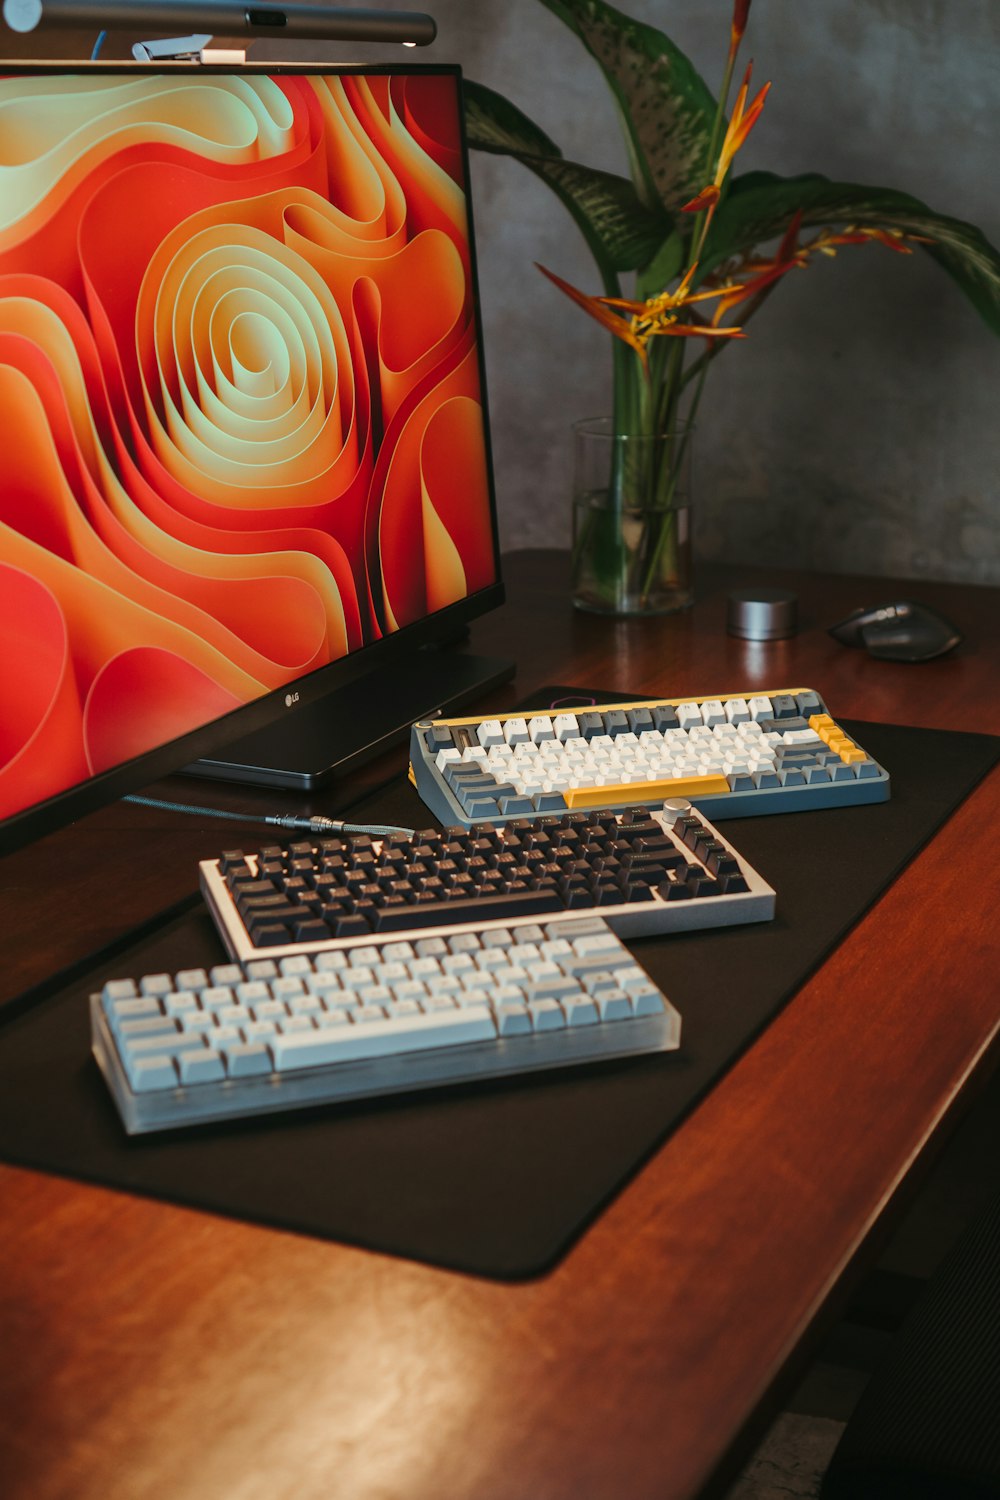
(153, 1353)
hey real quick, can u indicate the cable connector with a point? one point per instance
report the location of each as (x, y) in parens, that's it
(319, 824)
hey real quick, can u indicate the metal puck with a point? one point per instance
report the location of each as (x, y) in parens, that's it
(762, 614)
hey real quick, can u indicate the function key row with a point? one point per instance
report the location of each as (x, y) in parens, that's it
(588, 723)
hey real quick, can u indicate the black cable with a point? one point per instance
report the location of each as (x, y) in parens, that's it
(317, 824)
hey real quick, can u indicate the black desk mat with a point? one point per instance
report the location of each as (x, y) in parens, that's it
(499, 1179)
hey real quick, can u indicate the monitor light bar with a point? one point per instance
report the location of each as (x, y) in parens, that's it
(299, 19)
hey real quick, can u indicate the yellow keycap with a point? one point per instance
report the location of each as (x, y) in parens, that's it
(819, 722)
(637, 792)
(850, 753)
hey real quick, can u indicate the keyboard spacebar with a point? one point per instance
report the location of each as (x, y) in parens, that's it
(480, 908)
(360, 1040)
(644, 791)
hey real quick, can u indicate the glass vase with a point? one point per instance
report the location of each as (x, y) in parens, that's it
(631, 519)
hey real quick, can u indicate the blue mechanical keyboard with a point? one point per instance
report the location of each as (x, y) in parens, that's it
(365, 965)
(732, 756)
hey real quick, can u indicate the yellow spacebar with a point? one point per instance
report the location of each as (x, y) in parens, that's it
(644, 791)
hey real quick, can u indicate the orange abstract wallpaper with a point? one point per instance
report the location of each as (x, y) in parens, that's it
(241, 429)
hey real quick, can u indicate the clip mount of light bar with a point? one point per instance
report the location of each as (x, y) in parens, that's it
(197, 48)
(296, 20)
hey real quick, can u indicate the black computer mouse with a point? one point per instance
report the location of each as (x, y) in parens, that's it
(903, 631)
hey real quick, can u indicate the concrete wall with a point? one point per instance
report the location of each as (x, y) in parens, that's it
(856, 428)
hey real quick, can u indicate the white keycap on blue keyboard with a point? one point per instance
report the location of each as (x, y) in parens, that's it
(490, 732)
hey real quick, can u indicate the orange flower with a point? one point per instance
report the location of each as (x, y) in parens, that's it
(638, 322)
(741, 11)
(763, 274)
(740, 125)
(862, 234)
(596, 307)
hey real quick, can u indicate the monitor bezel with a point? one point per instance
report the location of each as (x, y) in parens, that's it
(437, 629)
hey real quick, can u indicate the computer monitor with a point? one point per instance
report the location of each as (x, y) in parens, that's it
(246, 483)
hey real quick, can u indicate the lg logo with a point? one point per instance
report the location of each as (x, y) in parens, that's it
(290, 699)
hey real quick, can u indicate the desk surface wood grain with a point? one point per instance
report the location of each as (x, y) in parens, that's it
(152, 1352)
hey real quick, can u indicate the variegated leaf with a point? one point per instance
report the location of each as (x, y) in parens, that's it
(760, 206)
(667, 110)
(621, 232)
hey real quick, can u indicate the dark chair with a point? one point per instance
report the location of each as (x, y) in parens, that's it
(927, 1426)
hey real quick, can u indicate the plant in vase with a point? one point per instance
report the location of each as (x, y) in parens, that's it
(704, 249)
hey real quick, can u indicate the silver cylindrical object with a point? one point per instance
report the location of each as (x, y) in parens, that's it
(762, 614)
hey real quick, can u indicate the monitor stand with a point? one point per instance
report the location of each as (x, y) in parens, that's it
(355, 722)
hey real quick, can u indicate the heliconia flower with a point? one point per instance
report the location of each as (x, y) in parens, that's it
(755, 276)
(659, 314)
(860, 234)
(741, 12)
(596, 307)
(638, 322)
(741, 122)
(762, 274)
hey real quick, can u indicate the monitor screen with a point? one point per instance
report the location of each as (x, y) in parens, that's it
(241, 406)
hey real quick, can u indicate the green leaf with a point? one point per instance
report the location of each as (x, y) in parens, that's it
(666, 108)
(760, 206)
(622, 232)
(662, 269)
(492, 123)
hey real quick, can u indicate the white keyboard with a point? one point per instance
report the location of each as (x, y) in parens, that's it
(373, 1018)
(731, 756)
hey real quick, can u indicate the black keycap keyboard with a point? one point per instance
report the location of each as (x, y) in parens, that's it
(643, 872)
